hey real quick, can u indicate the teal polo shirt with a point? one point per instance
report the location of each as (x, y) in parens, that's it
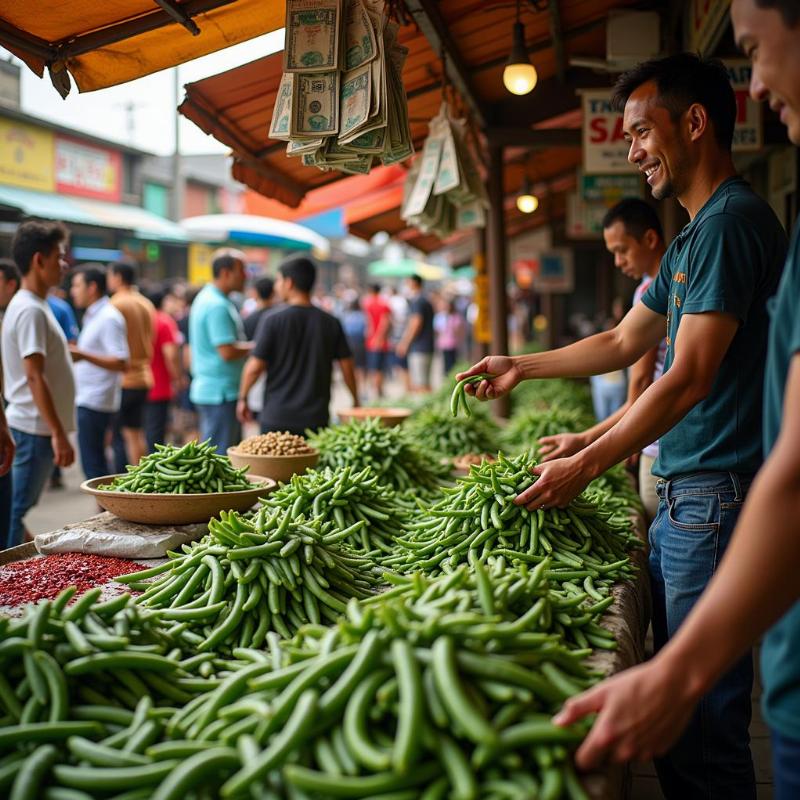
(214, 321)
(780, 652)
(728, 258)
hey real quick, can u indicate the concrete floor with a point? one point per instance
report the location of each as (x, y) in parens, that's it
(62, 506)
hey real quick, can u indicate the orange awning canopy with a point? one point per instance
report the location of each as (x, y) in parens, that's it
(100, 43)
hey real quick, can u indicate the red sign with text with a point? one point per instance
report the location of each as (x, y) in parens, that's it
(87, 170)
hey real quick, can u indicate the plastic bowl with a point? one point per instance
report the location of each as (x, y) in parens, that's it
(388, 416)
(279, 468)
(175, 509)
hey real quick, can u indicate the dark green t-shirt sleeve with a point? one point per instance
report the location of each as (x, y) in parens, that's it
(725, 266)
(656, 297)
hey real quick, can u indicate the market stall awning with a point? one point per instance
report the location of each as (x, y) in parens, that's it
(405, 268)
(250, 230)
(143, 224)
(102, 44)
(236, 106)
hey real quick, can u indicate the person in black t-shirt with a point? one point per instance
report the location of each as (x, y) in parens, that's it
(265, 297)
(297, 346)
(418, 338)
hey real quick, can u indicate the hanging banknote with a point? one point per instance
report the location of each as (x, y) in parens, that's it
(360, 45)
(315, 105)
(355, 115)
(446, 192)
(313, 30)
(281, 114)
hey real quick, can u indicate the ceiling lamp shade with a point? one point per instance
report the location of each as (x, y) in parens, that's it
(519, 75)
(527, 202)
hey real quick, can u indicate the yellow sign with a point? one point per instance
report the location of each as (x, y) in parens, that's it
(482, 326)
(200, 264)
(27, 156)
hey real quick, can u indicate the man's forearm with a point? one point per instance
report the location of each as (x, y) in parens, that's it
(755, 585)
(665, 403)
(252, 370)
(43, 398)
(347, 366)
(110, 363)
(595, 355)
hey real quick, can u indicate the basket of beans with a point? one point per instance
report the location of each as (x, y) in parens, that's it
(277, 455)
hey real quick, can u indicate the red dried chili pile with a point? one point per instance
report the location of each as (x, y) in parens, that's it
(44, 577)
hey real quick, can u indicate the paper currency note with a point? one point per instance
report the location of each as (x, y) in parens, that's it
(315, 105)
(312, 35)
(282, 111)
(449, 176)
(355, 100)
(360, 46)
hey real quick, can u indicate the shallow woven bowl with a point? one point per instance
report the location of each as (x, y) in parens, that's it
(175, 509)
(279, 468)
(388, 416)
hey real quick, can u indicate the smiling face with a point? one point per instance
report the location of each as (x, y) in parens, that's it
(659, 147)
(774, 51)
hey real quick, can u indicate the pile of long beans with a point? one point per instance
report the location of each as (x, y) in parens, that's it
(247, 577)
(479, 514)
(437, 430)
(615, 491)
(547, 393)
(427, 692)
(195, 468)
(345, 499)
(392, 453)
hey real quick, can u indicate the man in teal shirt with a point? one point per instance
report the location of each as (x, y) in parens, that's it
(218, 346)
(642, 710)
(711, 291)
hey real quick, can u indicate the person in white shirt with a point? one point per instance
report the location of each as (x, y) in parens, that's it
(101, 356)
(37, 369)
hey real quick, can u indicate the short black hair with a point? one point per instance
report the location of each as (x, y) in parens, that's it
(36, 237)
(301, 271)
(788, 9)
(265, 287)
(637, 216)
(10, 271)
(224, 262)
(416, 280)
(124, 270)
(683, 79)
(158, 294)
(375, 288)
(94, 273)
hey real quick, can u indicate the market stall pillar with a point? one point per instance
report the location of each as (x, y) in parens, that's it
(496, 251)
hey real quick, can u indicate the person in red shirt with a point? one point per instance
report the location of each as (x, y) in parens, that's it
(167, 372)
(379, 323)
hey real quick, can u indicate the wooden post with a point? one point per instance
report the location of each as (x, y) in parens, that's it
(496, 251)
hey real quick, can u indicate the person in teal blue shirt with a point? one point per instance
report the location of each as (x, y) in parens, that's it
(711, 293)
(218, 347)
(756, 590)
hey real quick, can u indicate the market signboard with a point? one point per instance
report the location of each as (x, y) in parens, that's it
(548, 272)
(705, 22)
(26, 156)
(87, 170)
(609, 189)
(605, 150)
(748, 133)
(482, 330)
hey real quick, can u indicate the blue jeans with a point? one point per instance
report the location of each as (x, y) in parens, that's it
(92, 428)
(696, 517)
(33, 463)
(607, 395)
(785, 767)
(218, 422)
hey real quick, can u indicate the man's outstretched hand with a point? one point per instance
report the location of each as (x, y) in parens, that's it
(505, 376)
(640, 714)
